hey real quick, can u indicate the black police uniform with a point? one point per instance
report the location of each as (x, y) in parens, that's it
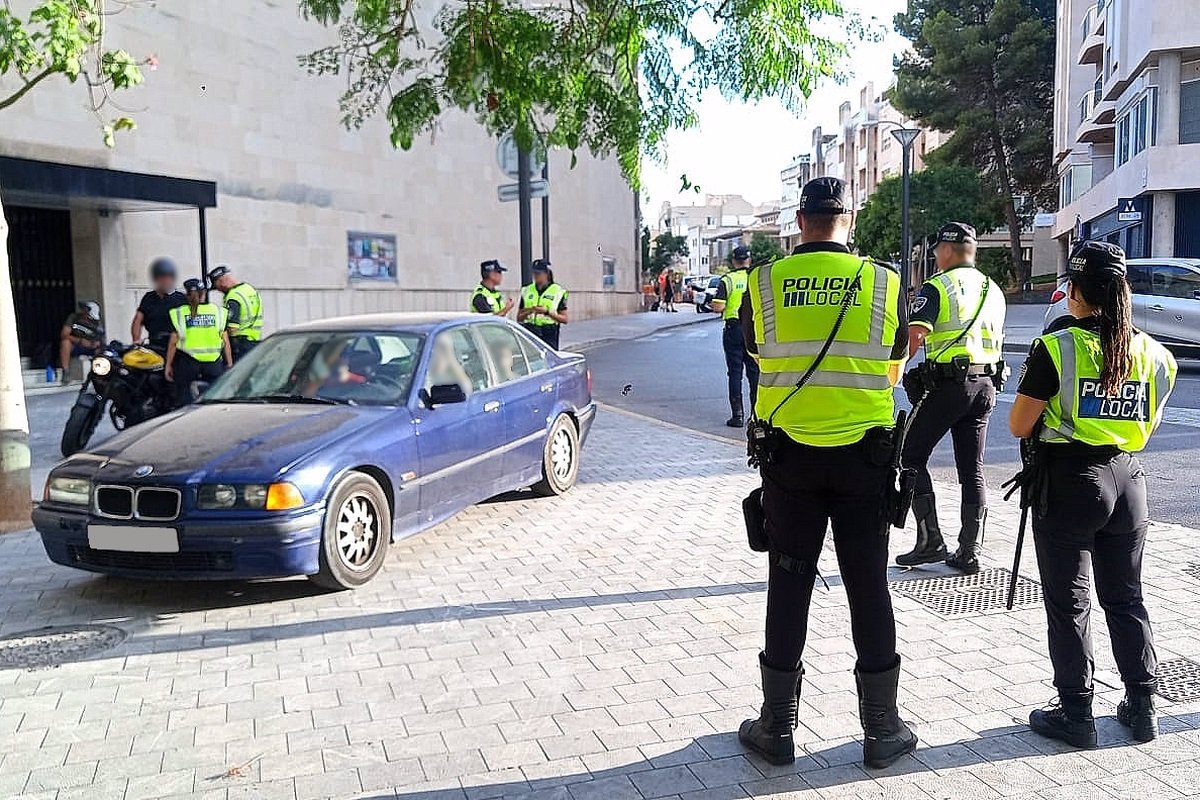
(1090, 513)
(156, 315)
(959, 403)
(805, 490)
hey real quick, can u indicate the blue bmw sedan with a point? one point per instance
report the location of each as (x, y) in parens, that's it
(323, 445)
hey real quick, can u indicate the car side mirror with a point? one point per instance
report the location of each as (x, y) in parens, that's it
(443, 394)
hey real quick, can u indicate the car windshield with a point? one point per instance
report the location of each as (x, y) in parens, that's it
(334, 367)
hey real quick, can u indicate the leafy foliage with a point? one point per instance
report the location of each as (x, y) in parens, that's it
(939, 194)
(995, 262)
(668, 249)
(764, 249)
(984, 69)
(65, 38)
(611, 76)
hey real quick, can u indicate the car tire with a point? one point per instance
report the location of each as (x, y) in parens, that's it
(560, 459)
(356, 535)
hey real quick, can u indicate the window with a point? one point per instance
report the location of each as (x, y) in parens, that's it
(1139, 279)
(1066, 197)
(456, 360)
(507, 356)
(534, 354)
(608, 267)
(1123, 140)
(1189, 113)
(1176, 282)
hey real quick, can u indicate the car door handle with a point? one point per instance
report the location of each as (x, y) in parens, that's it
(491, 407)
(548, 386)
(1156, 308)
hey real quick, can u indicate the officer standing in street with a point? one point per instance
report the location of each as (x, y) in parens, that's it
(728, 303)
(243, 307)
(199, 346)
(543, 309)
(153, 313)
(959, 318)
(487, 297)
(829, 331)
(1099, 387)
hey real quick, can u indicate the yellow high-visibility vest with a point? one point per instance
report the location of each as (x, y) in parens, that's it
(960, 293)
(549, 299)
(249, 324)
(735, 282)
(200, 333)
(494, 297)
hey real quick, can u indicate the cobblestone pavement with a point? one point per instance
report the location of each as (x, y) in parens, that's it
(599, 646)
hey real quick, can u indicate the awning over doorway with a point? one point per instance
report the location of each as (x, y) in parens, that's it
(47, 184)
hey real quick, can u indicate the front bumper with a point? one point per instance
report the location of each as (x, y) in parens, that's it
(208, 550)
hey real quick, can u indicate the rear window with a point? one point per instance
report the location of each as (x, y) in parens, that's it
(714, 282)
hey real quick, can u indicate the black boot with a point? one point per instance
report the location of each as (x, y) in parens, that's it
(771, 734)
(737, 418)
(930, 547)
(1068, 719)
(886, 737)
(1137, 713)
(966, 558)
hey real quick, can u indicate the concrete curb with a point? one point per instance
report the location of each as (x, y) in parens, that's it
(592, 344)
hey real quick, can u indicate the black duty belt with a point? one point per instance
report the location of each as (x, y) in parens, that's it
(1081, 451)
(733, 321)
(948, 371)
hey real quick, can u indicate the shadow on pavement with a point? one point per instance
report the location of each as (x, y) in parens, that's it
(717, 763)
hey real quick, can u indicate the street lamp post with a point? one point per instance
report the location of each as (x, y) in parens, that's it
(907, 137)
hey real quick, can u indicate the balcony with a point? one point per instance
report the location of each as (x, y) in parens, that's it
(1091, 34)
(1093, 132)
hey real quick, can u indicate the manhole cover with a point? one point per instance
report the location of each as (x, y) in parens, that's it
(49, 647)
(955, 595)
(1179, 679)
(1193, 570)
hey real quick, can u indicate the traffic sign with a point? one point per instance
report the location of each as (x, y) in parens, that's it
(511, 192)
(506, 157)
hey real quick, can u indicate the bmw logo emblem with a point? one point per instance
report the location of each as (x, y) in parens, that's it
(143, 471)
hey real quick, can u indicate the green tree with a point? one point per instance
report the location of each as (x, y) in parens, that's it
(58, 39)
(764, 249)
(940, 194)
(611, 76)
(668, 250)
(984, 69)
(994, 262)
(645, 248)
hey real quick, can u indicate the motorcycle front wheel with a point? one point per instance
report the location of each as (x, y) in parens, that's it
(85, 415)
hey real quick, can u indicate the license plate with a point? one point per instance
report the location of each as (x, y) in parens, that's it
(133, 539)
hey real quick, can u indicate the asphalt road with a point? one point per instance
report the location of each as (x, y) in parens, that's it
(678, 376)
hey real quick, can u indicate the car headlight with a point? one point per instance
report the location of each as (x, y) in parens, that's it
(216, 495)
(71, 491)
(101, 366)
(255, 495)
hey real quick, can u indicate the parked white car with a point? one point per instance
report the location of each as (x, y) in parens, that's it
(703, 295)
(1166, 301)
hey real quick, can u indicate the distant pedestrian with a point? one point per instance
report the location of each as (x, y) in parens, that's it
(243, 308)
(543, 305)
(487, 297)
(727, 302)
(668, 292)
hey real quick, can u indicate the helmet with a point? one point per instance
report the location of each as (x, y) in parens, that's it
(218, 272)
(162, 267)
(90, 307)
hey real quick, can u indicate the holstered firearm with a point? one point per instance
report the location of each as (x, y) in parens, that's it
(902, 481)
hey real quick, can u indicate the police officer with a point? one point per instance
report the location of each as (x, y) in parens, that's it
(243, 307)
(1099, 387)
(825, 462)
(959, 318)
(487, 297)
(199, 345)
(728, 303)
(543, 309)
(153, 313)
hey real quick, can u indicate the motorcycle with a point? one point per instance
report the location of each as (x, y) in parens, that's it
(130, 381)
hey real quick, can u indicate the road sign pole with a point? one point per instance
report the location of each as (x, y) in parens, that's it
(525, 213)
(546, 210)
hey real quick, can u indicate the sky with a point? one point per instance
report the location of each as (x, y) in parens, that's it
(740, 149)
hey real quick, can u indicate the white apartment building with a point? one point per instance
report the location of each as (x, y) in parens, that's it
(240, 157)
(702, 224)
(1127, 124)
(792, 179)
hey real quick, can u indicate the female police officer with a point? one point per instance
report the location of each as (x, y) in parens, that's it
(1099, 387)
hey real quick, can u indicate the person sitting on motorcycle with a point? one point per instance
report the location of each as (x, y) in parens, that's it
(199, 346)
(81, 335)
(154, 310)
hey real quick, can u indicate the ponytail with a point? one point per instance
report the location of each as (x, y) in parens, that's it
(1116, 329)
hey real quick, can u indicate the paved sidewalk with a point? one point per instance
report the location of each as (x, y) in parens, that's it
(595, 332)
(600, 646)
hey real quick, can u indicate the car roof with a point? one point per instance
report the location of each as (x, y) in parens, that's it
(1165, 262)
(416, 322)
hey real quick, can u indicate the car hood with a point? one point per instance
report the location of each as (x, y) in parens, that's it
(236, 441)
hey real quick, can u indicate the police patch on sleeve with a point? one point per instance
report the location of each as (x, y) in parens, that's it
(1130, 404)
(919, 303)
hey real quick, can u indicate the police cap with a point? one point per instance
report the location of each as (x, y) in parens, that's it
(217, 273)
(193, 285)
(491, 265)
(740, 253)
(824, 196)
(1096, 261)
(956, 233)
(541, 265)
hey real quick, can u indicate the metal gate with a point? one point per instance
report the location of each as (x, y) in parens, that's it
(1187, 225)
(43, 276)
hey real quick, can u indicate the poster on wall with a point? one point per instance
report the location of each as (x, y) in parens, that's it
(370, 256)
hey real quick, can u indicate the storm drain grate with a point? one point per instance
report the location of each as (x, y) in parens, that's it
(1179, 680)
(956, 595)
(49, 647)
(1193, 570)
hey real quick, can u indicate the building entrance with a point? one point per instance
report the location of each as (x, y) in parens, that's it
(43, 277)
